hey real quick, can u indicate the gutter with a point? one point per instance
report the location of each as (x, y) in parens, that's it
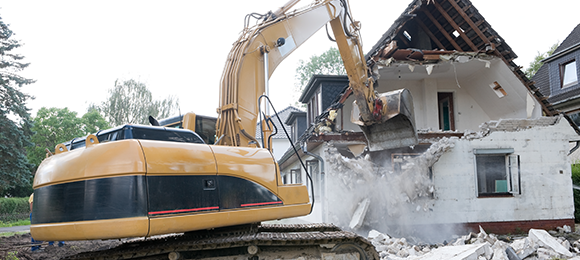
(562, 53)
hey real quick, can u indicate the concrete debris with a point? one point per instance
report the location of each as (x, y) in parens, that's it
(359, 214)
(507, 125)
(511, 125)
(539, 245)
(543, 239)
(565, 229)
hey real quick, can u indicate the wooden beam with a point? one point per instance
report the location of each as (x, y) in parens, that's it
(428, 32)
(454, 25)
(468, 20)
(467, 7)
(442, 30)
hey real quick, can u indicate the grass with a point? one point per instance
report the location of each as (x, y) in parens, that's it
(9, 234)
(22, 222)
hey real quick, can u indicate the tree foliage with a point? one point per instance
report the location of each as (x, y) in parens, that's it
(131, 102)
(15, 125)
(93, 122)
(537, 62)
(57, 125)
(328, 63)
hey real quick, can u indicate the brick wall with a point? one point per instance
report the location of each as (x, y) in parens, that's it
(515, 227)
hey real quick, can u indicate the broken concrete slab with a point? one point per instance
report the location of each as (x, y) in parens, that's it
(543, 239)
(359, 214)
(465, 252)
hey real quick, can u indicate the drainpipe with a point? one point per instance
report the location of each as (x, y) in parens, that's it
(574, 148)
(322, 181)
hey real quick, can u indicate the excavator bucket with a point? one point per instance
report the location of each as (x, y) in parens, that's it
(397, 127)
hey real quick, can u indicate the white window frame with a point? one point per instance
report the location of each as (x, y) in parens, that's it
(512, 171)
(568, 74)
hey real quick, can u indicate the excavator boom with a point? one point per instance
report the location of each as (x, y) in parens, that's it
(260, 49)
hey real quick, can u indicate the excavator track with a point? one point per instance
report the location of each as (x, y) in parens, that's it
(258, 241)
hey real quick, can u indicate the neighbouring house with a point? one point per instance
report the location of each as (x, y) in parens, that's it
(279, 141)
(557, 78)
(492, 150)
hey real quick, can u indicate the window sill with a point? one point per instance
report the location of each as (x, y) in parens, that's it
(495, 195)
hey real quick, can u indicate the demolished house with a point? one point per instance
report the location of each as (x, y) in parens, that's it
(492, 150)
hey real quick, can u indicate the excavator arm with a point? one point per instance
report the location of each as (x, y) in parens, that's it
(261, 48)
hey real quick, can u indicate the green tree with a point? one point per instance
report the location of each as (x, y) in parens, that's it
(131, 102)
(52, 126)
(58, 125)
(328, 63)
(537, 62)
(93, 122)
(15, 124)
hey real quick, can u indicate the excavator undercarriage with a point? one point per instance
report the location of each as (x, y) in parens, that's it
(254, 241)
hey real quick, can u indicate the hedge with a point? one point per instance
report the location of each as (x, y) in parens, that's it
(576, 181)
(12, 209)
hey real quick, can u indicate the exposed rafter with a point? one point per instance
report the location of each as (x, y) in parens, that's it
(435, 21)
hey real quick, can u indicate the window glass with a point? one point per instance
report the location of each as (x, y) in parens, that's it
(173, 136)
(569, 74)
(111, 136)
(491, 174)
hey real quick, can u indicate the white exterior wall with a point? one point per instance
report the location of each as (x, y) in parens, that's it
(319, 188)
(474, 101)
(546, 187)
(280, 145)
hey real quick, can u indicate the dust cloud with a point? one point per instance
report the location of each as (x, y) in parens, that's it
(397, 193)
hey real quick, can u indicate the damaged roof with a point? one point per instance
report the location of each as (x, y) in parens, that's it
(429, 28)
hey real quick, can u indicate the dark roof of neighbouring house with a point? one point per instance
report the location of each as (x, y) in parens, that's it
(572, 39)
(439, 20)
(293, 116)
(315, 81)
(542, 76)
(284, 114)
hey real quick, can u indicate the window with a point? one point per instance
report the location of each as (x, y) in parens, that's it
(568, 74)
(497, 172)
(294, 177)
(314, 106)
(445, 103)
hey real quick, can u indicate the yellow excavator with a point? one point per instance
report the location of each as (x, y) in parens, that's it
(136, 181)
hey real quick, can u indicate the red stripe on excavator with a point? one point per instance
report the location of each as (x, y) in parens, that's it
(182, 210)
(261, 203)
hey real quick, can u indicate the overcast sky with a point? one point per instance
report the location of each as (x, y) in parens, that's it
(77, 49)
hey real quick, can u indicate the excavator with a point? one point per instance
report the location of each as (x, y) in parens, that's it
(187, 196)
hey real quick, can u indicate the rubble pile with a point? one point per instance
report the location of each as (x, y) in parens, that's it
(538, 245)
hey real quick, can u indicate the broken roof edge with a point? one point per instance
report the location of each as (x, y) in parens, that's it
(387, 36)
